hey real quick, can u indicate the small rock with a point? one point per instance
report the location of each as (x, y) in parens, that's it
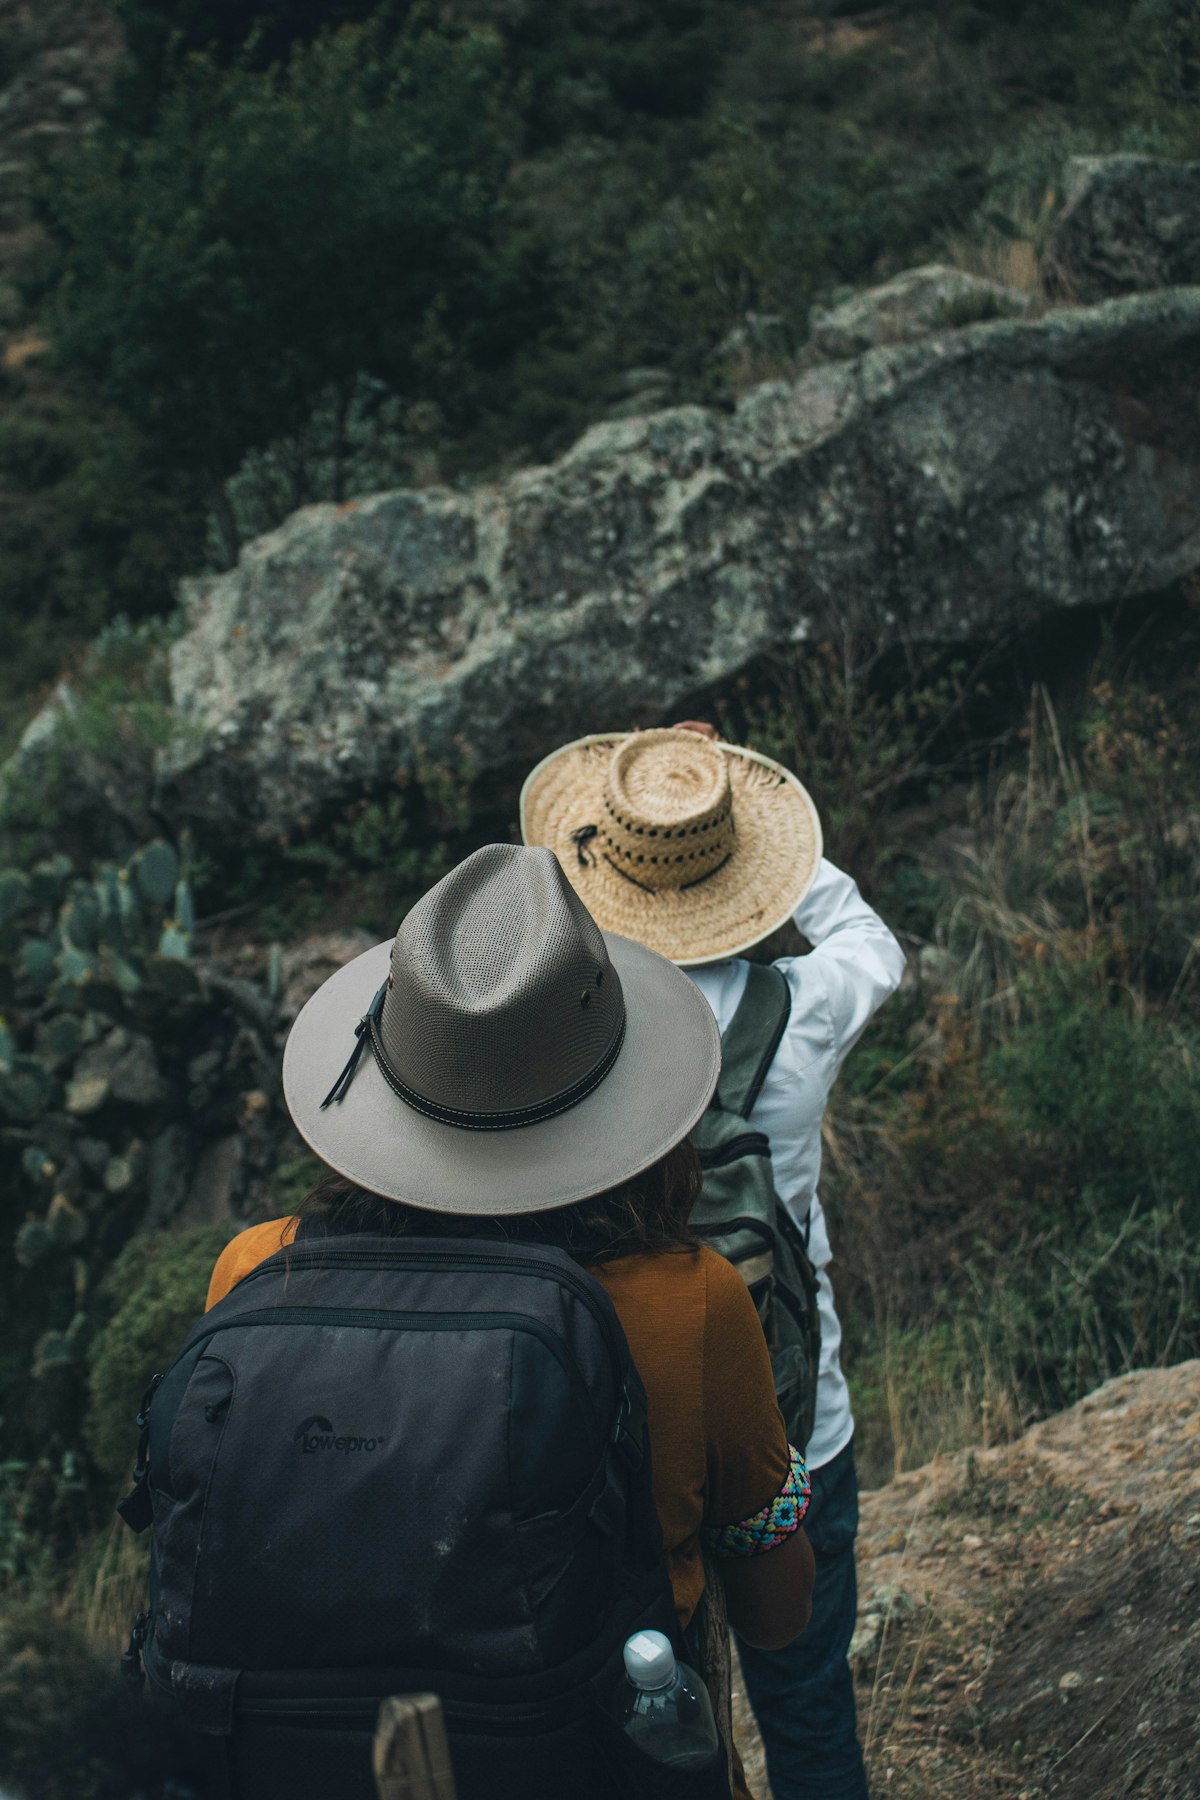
(971, 1542)
(758, 335)
(85, 1094)
(135, 1078)
(1130, 224)
(216, 1184)
(1144, 1727)
(867, 1638)
(892, 1602)
(1069, 1682)
(910, 306)
(122, 1173)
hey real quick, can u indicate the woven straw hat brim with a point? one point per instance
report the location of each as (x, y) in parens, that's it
(775, 862)
(655, 1092)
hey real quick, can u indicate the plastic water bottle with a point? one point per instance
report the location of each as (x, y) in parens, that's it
(664, 1706)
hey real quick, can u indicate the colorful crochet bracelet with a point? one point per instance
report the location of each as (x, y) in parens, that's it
(773, 1522)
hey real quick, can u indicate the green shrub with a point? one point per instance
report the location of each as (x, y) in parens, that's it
(1088, 1297)
(157, 1284)
(91, 526)
(283, 232)
(865, 736)
(89, 785)
(294, 1179)
(1112, 1092)
(71, 1728)
(1164, 36)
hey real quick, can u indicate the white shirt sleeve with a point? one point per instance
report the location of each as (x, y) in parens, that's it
(855, 958)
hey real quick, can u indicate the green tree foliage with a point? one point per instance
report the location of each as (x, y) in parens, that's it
(325, 243)
(1166, 53)
(91, 525)
(160, 36)
(282, 232)
(611, 69)
(1015, 1160)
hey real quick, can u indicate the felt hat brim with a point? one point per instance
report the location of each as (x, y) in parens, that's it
(656, 1090)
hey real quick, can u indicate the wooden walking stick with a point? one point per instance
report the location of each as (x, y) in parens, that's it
(412, 1757)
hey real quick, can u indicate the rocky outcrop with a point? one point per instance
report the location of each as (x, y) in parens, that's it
(939, 489)
(911, 306)
(1027, 1613)
(1129, 224)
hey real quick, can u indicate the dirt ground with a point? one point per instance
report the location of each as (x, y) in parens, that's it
(1029, 1616)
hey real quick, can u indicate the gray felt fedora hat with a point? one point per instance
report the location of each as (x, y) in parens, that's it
(502, 1054)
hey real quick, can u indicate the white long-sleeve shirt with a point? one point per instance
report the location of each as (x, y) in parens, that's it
(855, 963)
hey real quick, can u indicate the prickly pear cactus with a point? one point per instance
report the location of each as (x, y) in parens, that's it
(121, 1060)
(154, 872)
(15, 895)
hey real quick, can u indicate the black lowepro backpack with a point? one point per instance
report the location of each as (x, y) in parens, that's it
(741, 1216)
(393, 1465)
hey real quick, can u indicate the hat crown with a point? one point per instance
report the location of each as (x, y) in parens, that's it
(501, 995)
(668, 809)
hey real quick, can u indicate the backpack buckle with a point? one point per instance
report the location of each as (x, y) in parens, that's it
(131, 1657)
(143, 1411)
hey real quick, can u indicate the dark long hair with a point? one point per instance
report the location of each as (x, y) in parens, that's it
(646, 1216)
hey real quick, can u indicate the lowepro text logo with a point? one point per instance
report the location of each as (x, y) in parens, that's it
(317, 1434)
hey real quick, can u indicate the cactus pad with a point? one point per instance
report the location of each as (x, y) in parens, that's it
(154, 870)
(35, 963)
(15, 894)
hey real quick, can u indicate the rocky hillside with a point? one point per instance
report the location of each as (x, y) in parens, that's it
(954, 458)
(942, 489)
(1028, 1617)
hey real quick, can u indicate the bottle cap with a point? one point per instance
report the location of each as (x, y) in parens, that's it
(649, 1660)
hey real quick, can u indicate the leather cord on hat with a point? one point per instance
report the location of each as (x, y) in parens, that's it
(338, 1091)
(581, 839)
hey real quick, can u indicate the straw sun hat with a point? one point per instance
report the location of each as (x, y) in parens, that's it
(698, 849)
(501, 1054)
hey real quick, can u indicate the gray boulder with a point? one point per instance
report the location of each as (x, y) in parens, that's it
(911, 306)
(1129, 224)
(941, 489)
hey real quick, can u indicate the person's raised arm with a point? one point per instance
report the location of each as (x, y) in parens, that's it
(856, 955)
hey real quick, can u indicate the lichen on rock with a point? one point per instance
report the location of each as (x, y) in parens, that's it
(937, 489)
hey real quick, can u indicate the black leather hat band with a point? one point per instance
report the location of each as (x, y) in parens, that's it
(367, 1032)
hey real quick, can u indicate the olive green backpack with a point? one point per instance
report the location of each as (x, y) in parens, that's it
(739, 1213)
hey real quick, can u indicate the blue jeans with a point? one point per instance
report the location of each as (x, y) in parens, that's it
(803, 1697)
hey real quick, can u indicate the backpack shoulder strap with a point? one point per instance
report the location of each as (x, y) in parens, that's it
(752, 1037)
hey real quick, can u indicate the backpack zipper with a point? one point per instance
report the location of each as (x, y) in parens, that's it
(381, 1318)
(750, 1143)
(314, 1258)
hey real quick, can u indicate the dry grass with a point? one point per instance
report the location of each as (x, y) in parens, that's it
(1011, 261)
(109, 1587)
